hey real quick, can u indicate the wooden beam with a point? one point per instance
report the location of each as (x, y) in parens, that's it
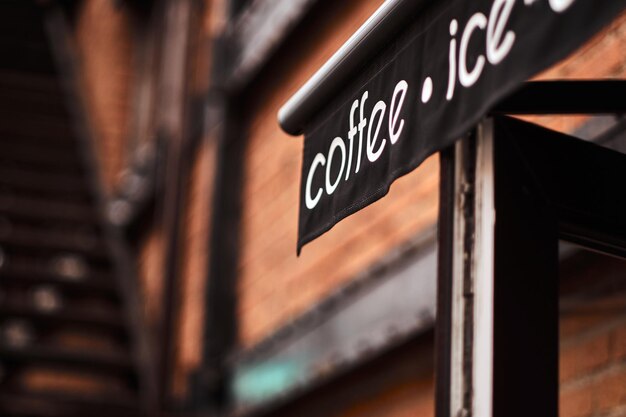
(566, 97)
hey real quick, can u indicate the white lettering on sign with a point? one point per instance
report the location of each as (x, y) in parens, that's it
(427, 90)
(497, 47)
(312, 202)
(454, 27)
(374, 147)
(373, 155)
(362, 124)
(351, 134)
(336, 143)
(469, 78)
(499, 40)
(560, 5)
(394, 111)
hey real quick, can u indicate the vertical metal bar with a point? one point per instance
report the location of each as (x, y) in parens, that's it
(221, 324)
(462, 277)
(463, 213)
(483, 272)
(211, 384)
(471, 292)
(524, 321)
(504, 286)
(174, 105)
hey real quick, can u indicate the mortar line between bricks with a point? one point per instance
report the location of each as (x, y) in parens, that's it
(594, 331)
(619, 411)
(611, 369)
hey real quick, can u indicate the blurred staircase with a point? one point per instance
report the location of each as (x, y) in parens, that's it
(70, 342)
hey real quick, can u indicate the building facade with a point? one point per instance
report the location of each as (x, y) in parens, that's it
(154, 124)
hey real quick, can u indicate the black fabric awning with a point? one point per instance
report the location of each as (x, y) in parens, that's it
(425, 89)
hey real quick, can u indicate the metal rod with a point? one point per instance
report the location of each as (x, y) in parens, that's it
(368, 39)
(483, 274)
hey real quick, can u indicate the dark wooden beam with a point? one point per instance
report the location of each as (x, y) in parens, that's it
(172, 122)
(566, 97)
(221, 323)
(257, 32)
(443, 326)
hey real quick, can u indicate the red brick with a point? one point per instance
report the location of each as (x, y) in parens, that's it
(271, 187)
(576, 402)
(583, 356)
(105, 47)
(410, 399)
(618, 345)
(609, 391)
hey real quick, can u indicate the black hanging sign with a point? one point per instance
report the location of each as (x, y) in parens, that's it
(428, 88)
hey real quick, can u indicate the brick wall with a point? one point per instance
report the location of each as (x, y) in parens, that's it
(414, 398)
(274, 285)
(150, 271)
(194, 271)
(593, 340)
(189, 337)
(105, 57)
(109, 53)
